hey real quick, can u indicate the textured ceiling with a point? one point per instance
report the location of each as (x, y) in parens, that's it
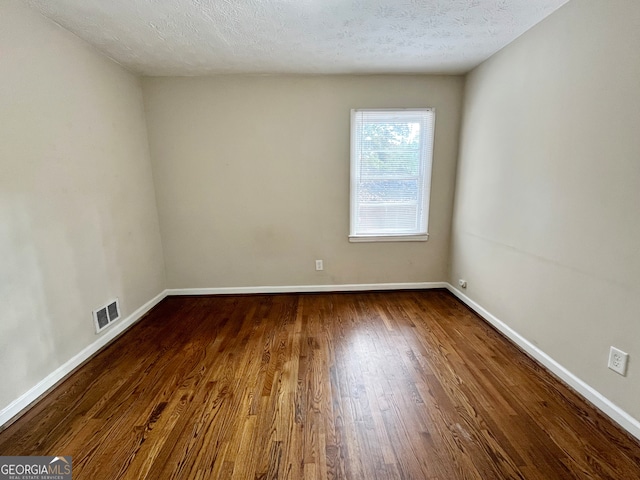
(199, 37)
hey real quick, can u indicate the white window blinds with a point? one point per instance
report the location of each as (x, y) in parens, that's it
(391, 157)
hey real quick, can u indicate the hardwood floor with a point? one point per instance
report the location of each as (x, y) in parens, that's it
(394, 385)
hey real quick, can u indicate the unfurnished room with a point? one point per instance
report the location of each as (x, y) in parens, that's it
(319, 239)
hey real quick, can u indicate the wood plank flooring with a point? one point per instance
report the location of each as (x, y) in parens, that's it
(393, 385)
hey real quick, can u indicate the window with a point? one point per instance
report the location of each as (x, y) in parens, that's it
(391, 156)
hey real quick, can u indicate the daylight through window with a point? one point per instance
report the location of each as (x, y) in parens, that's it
(391, 157)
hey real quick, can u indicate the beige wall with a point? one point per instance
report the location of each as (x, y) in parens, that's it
(252, 178)
(78, 221)
(547, 218)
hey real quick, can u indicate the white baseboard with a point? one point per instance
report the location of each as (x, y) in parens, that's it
(606, 406)
(617, 414)
(356, 287)
(24, 400)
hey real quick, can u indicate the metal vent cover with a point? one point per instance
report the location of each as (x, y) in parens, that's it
(106, 315)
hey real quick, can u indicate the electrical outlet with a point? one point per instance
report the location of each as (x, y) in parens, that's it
(618, 361)
(462, 283)
(319, 265)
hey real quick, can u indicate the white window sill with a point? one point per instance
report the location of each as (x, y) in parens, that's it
(388, 238)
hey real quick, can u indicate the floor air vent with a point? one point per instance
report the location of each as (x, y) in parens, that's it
(104, 316)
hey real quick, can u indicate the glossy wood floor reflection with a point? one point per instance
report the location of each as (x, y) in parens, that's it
(397, 385)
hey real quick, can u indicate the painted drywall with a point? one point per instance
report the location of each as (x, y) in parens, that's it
(252, 178)
(546, 225)
(78, 220)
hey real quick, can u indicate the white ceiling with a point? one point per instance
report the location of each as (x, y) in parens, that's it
(199, 37)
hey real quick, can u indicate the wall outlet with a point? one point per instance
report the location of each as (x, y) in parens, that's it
(462, 283)
(319, 265)
(618, 361)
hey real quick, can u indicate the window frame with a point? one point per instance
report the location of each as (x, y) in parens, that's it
(427, 140)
